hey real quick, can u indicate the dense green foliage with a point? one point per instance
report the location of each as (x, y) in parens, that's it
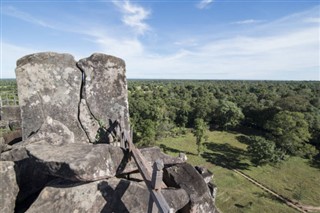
(286, 114)
(199, 132)
(263, 151)
(8, 92)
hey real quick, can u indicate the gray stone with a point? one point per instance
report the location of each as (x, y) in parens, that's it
(83, 162)
(213, 190)
(15, 153)
(136, 176)
(15, 125)
(105, 90)
(176, 198)
(2, 144)
(49, 95)
(30, 175)
(87, 162)
(30, 178)
(186, 177)
(4, 124)
(12, 137)
(9, 113)
(151, 154)
(112, 195)
(54, 132)
(8, 186)
(205, 173)
(89, 124)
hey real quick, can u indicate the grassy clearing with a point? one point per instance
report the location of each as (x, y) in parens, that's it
(224, 152)
(293, 179)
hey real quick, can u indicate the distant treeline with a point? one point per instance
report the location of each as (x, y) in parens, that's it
(286, 114)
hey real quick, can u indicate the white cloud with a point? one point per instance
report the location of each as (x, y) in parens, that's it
(248, 21)
(284, 49)
(134, 16)
(10, 54)
(313, 20)
(186, 42)
(14, 12)
(204, 4)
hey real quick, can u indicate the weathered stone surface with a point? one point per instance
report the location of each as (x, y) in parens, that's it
(136, 176)
(84, 162)
(2, 144)
(213, 191)
(105, 90)
(54, 132)
(88, 162)
(12, 137)
(9, 113)
(176, 198)
(30, 178)
(4, 124)
(30, 175)
(112, 195)
(88, 122)
(16, 153)
(151, 154)
(49, 94)
(186, 177)
(205, 173)
(15, 125)
(8, 186)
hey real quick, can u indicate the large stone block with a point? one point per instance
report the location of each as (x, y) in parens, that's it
(79, 162)
(104, 91)
(87, 162)
(9, 113)
(49, 87)
(187, 177)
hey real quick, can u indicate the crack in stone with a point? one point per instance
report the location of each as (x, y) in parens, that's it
(83, 97)
(79, 104)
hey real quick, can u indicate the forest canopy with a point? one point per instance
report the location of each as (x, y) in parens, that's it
(285, 114)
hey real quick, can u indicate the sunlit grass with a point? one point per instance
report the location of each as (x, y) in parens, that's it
(223, 151)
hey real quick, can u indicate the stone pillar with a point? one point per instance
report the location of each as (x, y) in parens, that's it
(49, 86)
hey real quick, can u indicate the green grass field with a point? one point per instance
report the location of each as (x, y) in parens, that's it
(223, 152)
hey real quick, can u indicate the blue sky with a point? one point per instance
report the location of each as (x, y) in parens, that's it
(179, 39)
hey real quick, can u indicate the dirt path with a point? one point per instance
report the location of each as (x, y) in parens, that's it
(298, 207)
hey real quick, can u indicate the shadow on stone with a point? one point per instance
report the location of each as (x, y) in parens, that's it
(31, 180)
(113, 196)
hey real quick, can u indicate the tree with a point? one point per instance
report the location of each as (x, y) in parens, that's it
(290, 131)
(228, 114)
(147, 133)
(263, 151)
(199, 133)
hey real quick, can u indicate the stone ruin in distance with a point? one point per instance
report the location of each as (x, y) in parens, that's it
(66, 162)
